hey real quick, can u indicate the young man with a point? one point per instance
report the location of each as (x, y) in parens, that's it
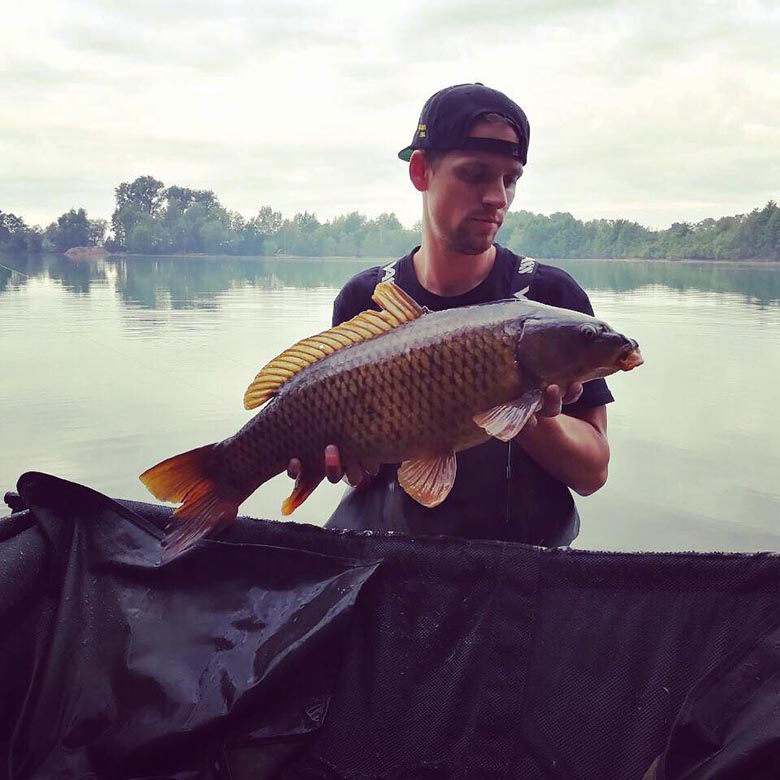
(466, 158)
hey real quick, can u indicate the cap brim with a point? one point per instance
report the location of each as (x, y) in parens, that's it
(405, 154)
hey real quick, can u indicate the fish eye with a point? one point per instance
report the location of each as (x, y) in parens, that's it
(589, 331)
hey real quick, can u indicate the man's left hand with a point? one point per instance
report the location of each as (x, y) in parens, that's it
(553, 400)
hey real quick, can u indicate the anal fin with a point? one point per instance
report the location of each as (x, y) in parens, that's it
(505, 421)
(428, 480)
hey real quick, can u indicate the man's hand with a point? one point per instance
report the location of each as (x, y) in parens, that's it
(354, 474)
(553, 400)
(573, 447)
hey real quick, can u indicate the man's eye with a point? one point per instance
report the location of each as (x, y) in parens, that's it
(471, 174)
(510, 181)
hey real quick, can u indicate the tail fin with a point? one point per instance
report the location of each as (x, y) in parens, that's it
(187, 479)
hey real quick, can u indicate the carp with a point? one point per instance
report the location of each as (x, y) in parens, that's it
(401, 385)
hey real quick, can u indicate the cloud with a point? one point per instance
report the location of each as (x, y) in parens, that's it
(200, 36)
(505, 19)
(661, 109)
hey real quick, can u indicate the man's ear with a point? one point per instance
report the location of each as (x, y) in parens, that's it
(419, 170)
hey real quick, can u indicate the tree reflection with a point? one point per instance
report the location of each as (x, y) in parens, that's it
(187, 282)
(756, 283)
(76, 276)
(181, 283)
(15, 271)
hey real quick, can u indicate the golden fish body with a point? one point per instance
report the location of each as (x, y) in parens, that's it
(424, 387)
(410, 393)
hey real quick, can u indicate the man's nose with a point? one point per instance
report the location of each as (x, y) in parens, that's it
(495, 195)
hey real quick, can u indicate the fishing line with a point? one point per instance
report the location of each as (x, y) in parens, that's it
(130, 358)
(14, 271)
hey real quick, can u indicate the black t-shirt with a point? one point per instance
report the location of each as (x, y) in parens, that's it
(499, 491)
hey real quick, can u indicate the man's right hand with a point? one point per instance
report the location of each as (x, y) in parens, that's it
(354, 474)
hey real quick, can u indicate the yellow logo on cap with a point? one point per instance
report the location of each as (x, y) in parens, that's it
(421, 130)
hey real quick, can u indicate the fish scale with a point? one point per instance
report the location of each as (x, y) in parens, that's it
(358, 387)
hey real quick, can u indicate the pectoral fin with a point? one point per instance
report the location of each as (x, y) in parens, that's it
(504, 422)
(428, 481)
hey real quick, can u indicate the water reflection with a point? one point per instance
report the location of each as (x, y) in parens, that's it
(15, 271)
(758, 284)
(75, 277)
(197, 282)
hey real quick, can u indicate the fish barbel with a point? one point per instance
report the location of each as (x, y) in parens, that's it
(399, 385)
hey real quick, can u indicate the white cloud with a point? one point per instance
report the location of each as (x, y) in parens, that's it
(653, 111)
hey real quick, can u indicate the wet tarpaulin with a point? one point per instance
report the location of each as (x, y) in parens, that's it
(288, 651)
(729, 726)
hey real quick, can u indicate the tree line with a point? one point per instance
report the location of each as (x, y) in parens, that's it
(742, 237)
(152, 219)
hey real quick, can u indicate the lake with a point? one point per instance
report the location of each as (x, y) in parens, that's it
(110, 366)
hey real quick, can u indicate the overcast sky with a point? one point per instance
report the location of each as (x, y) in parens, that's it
(651, 110)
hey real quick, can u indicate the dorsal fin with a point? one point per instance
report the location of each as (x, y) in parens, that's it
(397, 309)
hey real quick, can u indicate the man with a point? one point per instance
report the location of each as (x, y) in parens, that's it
(466, 158)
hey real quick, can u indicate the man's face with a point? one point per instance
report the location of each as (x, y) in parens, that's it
(468, 193)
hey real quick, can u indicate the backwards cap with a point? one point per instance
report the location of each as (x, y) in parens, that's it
(448, 116)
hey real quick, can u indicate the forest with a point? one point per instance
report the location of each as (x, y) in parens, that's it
(151, 218)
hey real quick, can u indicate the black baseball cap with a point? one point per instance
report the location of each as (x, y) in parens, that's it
(448, 115)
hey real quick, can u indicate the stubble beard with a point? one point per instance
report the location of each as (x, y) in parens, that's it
(459, 240)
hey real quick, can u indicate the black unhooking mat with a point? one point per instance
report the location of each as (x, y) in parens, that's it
(288, 651)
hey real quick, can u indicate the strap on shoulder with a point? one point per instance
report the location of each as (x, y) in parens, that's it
(387, 272)
(523, 278)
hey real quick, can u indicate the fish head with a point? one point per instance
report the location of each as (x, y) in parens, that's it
(568, 347)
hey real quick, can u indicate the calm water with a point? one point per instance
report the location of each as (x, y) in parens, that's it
(108, 367)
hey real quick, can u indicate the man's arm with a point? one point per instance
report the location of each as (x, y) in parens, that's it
(571, 446)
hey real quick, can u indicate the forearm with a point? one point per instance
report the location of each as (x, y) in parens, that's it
(575, 450)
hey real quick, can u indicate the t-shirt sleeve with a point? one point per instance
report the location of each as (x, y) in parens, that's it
(355, 296)
(558, 288)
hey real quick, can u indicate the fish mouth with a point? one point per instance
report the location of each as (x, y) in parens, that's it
(630, 357)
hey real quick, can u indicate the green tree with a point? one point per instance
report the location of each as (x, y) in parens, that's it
(215, 236)
(145, 193)
(184, 217)
(772, 238)
(305, 222)
(765, 230)
(71, 229)
(146, 237)
(16, 237)
(268, 221)
(385, 235)
(96, 232)
(153, 219)
(348, 232)
(141, 197)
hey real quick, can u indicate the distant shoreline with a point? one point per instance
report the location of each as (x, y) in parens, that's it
(353, 258)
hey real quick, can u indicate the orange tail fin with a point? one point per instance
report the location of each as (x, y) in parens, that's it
(187, 479)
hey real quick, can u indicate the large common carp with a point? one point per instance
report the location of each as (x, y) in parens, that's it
(401, 385)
